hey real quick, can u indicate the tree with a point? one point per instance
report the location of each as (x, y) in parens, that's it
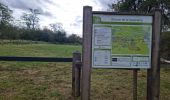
(75, 39)
(31, 19)
(56, 27)
(5, 18)
(58, 32)
(5, 14)
(145, 6)
(60, 36)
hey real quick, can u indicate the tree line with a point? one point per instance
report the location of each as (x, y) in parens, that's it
(27, 28)
(145, 6)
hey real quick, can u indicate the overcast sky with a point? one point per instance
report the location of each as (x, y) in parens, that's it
(67, 12)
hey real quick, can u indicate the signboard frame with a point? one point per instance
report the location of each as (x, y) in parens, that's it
(153, 74)
(130, 66)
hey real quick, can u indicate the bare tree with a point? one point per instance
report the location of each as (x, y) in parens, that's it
(31, 19)
(56, 27)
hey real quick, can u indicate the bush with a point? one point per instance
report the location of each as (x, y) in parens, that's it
(165, 45)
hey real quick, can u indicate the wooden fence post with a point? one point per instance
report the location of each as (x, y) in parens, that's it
(76, 73)
(153, 74)
(86, 54)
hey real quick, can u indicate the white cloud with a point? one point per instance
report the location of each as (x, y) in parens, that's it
(70, 13)
(67, 12)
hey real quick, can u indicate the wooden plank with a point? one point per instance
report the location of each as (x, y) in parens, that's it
(86, 59)
(121, 13)
(153, 74)
(36, 59)
(76, 73)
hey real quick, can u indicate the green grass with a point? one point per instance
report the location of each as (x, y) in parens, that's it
(52, 81)
(36, 50)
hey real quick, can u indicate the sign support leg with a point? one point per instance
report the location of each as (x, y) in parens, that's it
(86, 59)
(153, 74)
(135, 77)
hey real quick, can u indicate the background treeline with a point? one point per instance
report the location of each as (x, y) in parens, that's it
(28, 28)
(46, 35)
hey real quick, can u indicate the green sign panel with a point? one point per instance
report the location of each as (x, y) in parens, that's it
(121, 41)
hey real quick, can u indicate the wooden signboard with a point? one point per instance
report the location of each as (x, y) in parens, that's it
(123, 41)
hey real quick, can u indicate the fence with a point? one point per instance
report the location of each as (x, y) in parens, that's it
(76, 67)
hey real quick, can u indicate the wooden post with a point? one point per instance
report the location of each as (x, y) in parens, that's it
(135, 77)
(86, 59)
(153, 74)
(76, 73)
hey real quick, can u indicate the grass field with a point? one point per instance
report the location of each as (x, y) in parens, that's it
(52, 81)
(37, 50)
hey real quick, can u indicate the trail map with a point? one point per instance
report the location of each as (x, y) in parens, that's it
(121, 41)
(131, 40)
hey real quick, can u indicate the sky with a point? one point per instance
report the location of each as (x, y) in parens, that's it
(67, 12)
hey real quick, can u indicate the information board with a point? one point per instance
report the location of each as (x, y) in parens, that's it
(121, 41)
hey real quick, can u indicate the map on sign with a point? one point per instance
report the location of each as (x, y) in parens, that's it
(121, 41)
